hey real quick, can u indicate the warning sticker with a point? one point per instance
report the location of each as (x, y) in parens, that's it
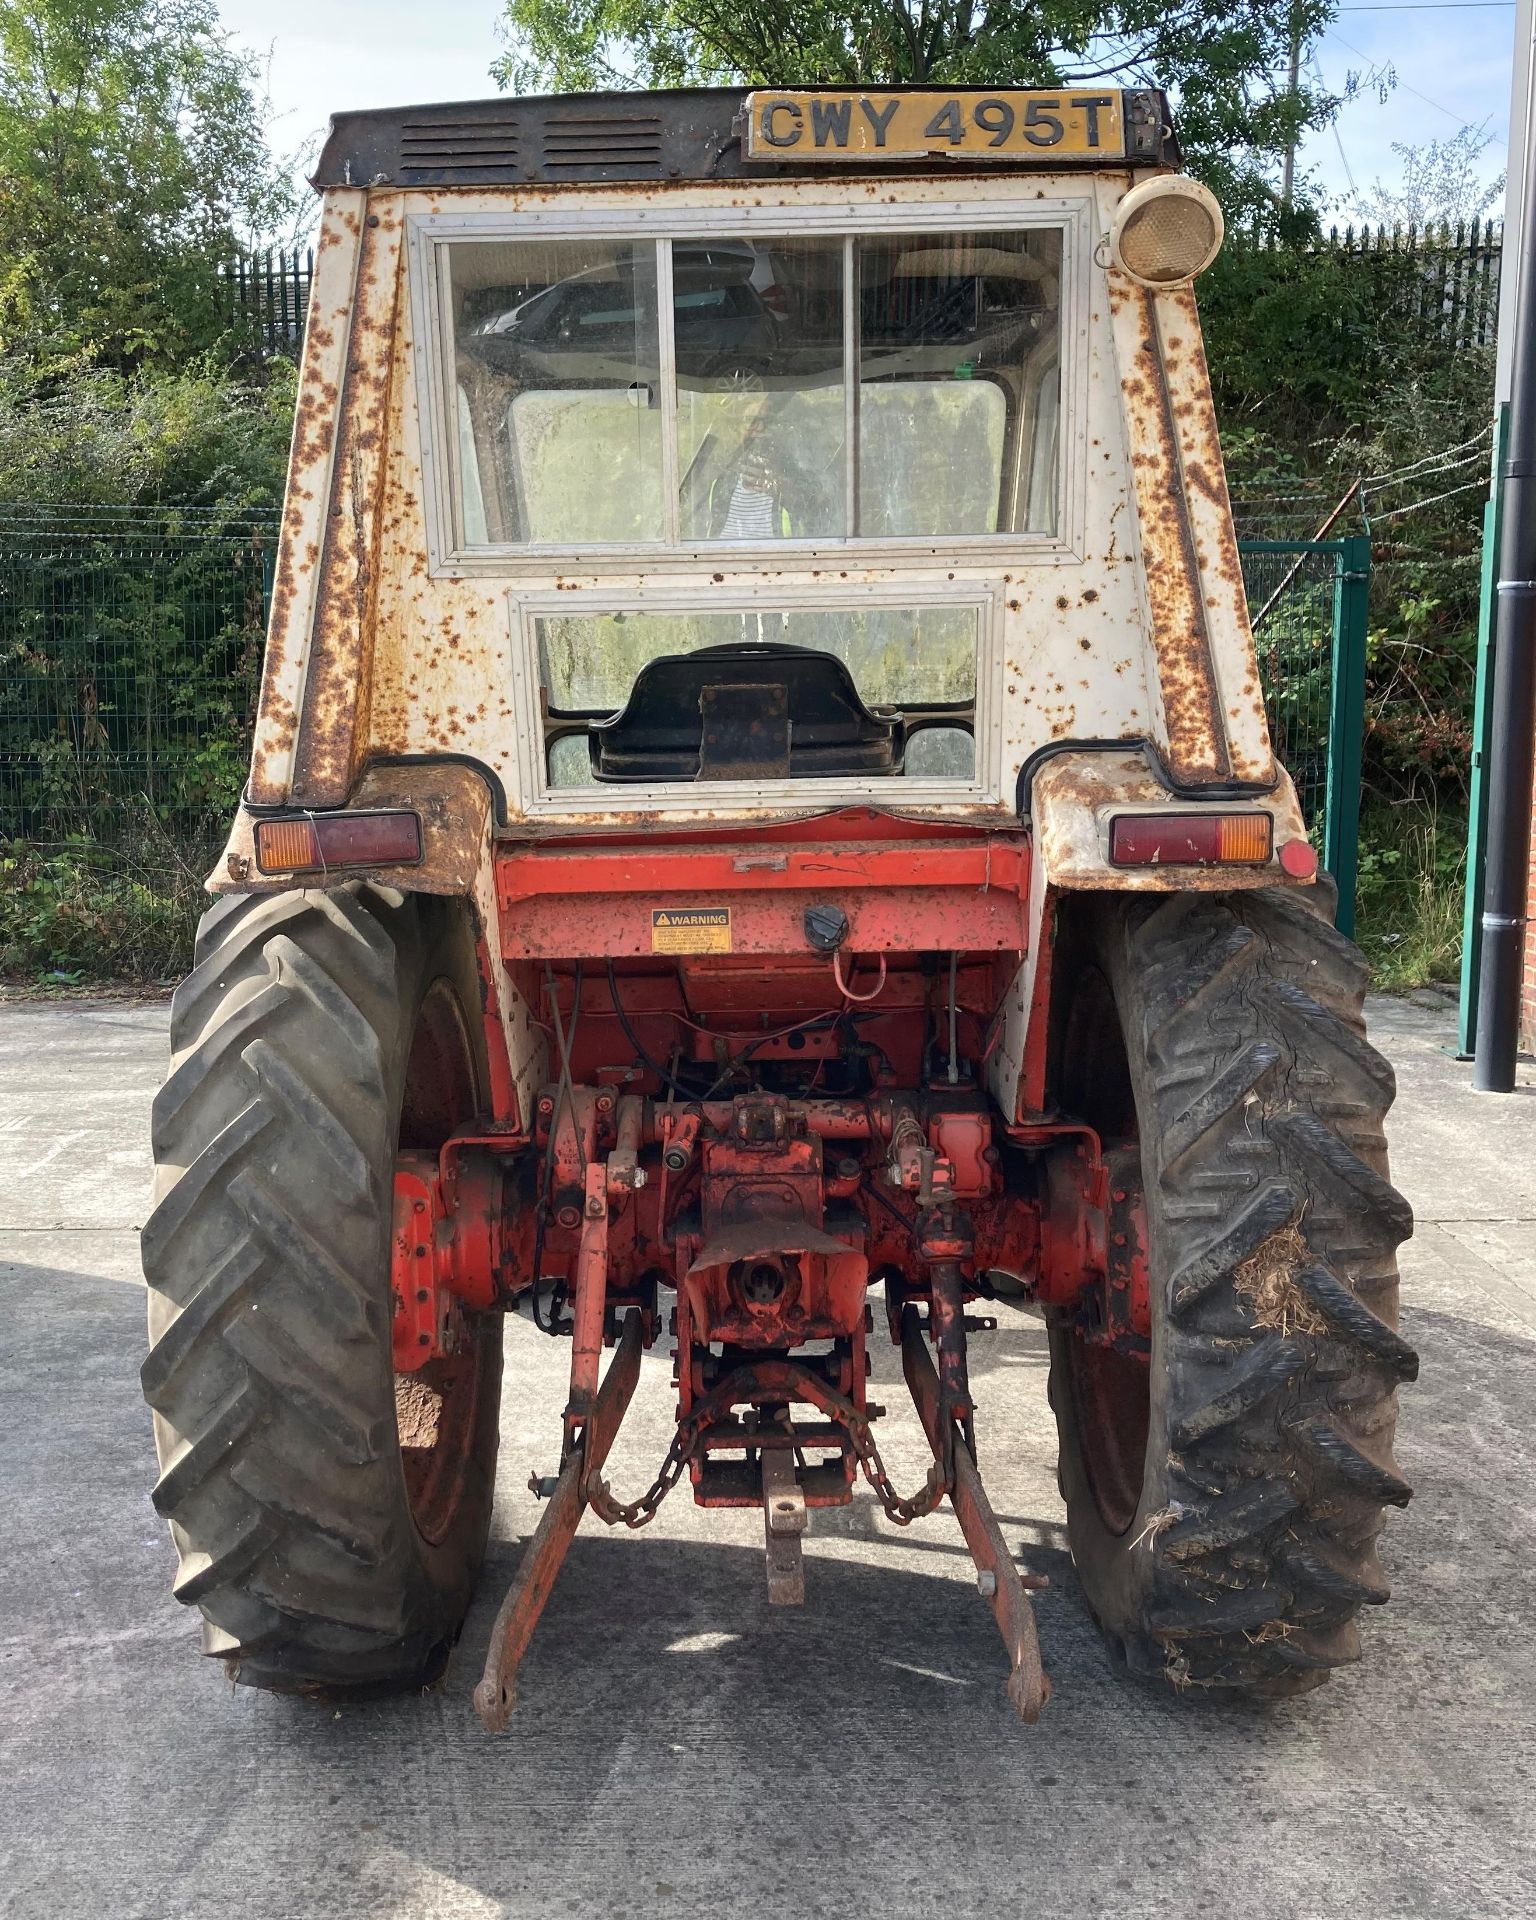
(690, 930)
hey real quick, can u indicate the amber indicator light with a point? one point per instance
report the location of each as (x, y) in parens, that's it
(315, 843)
(286, 846)
(1190, 839)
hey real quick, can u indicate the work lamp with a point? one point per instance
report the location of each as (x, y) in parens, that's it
(1166, 231)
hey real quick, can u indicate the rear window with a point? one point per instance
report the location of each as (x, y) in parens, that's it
(749, 391)
(638, 694)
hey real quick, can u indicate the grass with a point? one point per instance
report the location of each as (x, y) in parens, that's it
(73, 913)
(1409, 906)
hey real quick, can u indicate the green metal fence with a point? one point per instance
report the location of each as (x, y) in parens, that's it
(130, 655)
(130, 652)
(1309, 600)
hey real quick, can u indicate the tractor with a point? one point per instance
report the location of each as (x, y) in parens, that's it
(762, 834)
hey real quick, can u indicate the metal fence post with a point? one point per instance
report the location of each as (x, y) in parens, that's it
(1482, 719)
(1346, 722)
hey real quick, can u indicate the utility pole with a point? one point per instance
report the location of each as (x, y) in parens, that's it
(1512, 733)
(1293, 87)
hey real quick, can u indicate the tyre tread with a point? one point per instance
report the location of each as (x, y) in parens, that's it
(268, 1370)
(1266, 1103)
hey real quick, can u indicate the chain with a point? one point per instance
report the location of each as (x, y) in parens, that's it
(640, 1513)
(902, 1510)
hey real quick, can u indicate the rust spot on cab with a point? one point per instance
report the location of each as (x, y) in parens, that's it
(333, 734)
(1196, 742)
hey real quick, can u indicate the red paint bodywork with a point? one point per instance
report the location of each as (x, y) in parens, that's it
(769, 1214)
(770, 1126)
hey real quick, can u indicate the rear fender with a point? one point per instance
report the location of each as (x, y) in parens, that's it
(453, 803)
(1071, 801)
(456, 810)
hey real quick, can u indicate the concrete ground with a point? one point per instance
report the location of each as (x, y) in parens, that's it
(679, 1748)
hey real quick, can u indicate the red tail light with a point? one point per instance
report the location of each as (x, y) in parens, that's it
(318, 842)
(1191, 839)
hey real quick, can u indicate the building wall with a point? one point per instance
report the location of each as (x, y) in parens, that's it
(1528, 974)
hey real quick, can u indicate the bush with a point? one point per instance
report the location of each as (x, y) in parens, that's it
(130, 650)
(1331, 368)
(75, 911)
(1410, 899)
(201, 437)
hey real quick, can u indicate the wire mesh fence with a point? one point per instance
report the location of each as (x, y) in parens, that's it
(130, 654)
(1291, 598)
(130, 658)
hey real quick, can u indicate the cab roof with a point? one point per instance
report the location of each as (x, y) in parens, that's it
(693, 134)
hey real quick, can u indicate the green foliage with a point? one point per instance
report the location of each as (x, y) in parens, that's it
(1409, 899)
(196, 436)
(132, 162)
(1221, 58)
(130, 636)
(1299, 339)
(130, 651)
(72, 913)
(1331, 368)
(1427, 526)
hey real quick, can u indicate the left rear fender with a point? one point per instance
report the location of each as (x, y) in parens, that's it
(455, 807)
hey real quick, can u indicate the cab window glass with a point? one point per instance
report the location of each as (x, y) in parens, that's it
(957, 357)
(700, 694)
(947, 343)
(558, 368)
(761, 434)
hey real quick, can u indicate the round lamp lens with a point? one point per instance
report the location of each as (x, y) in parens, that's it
(1166, 231)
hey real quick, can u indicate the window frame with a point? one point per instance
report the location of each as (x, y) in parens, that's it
(429, 237)
(538, 800)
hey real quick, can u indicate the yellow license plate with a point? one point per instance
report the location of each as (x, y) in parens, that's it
(1073, 123)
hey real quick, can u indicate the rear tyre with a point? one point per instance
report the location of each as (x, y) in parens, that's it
(330, 1517)
(1224, 1496)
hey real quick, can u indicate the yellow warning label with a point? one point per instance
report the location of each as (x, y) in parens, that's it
(690, 930)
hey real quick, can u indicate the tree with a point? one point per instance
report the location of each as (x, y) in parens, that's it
(1226, 61)
(1442, 184)
(132, 161)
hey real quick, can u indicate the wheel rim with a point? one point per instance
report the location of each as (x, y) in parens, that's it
(437, 1409)
(1111, 1391)
(1111, 1409)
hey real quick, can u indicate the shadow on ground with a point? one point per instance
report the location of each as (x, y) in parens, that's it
(681, 1748)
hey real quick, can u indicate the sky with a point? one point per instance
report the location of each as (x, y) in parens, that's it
(1452, 64)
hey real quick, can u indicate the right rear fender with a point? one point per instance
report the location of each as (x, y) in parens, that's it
(1072, 799)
